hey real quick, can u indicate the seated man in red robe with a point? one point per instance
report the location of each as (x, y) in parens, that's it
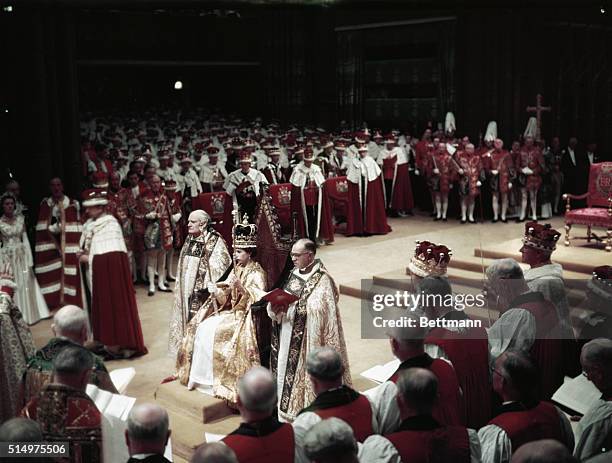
(366, 203)
(407, 345)
(523, 417)
(334, 398)
(528, 322)
(260, 436)
(420, 438)
(65, 412)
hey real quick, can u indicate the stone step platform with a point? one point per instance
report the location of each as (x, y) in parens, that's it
(475, 264)
(200, 407)
(189, 433)
(464, 281)
(579, 258)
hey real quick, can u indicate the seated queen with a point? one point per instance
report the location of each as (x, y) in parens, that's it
(220, 342)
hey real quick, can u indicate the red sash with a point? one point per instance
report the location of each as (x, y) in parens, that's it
(276, 447)
(358, 415)
(450, 443)
(540, 422)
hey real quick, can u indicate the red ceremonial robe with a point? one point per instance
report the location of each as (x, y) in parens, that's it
(374, 220)
(421, 439)
(311, 198)
(348, 405)
(468, 351)
(57, 267)
(523, 425)
(447, 410)
(547, 350)
(263, 442)
(401, 196)
(114, 313)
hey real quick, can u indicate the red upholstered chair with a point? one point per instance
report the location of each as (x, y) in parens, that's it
(281, 199)
(598, 212)
(337, 190)
(219, 206)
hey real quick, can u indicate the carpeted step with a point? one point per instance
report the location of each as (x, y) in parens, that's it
(202, 407)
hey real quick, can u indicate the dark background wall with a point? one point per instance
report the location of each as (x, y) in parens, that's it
(392, 65)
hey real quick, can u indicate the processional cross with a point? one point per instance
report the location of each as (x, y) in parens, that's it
(538, 109)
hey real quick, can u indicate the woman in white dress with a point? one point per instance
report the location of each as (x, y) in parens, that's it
(220, 343)
(16, 251)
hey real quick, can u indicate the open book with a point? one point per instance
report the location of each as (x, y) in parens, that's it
(577, 394)
(381, 373)
(116, 408)
(111, 404)
(122, 377)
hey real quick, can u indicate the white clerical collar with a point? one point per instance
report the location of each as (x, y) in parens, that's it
(306, 276)
(142, 456)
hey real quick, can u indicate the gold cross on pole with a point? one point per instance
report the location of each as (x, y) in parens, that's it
(538, 109)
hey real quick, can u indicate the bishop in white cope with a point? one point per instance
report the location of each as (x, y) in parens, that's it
(311, 321)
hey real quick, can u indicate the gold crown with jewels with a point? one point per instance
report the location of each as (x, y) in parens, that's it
(244, 234)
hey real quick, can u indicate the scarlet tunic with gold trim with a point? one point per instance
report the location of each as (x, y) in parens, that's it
(442, 162)
(122, 205)
(472, 167)
(501, 161)
(159, 203)
(532, 158)
(58, 232)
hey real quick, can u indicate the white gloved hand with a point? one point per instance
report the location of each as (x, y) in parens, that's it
(478, 183)
(527, 171)
(55, 228)
(436, 171)
(212, 288)
(495, 172)
(151, 215)
(416, 172)
(509, 185)
(461, 171)
(176, 217)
